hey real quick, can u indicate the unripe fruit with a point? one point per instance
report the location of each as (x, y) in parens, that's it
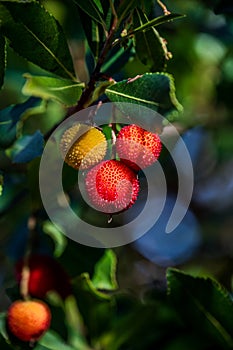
(46, 274)
(112, 186)
(83, 146)
(137, 147)
(28, 320)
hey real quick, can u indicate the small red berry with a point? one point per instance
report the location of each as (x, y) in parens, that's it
(137, 147)
(112, 186)
(28, 320)
(46, 274)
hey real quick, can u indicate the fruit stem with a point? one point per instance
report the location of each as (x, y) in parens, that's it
(85, 99)
(112, 125)
(164, 8)
(24, 282)
(25, 279)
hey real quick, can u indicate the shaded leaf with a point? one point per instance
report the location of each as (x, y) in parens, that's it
(149, 46)
(100, 305)
(210, 305)
(3, 331)
(153, 90)
(94, 33)
(28, 147)
(117, 58)
(105, 272)
(52, 341)
(9, 118)
(93, 9)
(142, 325)
(44, 42)
(125, 7)
(155, 22)
(57, 236)
(66, 92)
(2, 59)
(75, 326)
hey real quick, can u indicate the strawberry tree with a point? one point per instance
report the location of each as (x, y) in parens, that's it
(78, 55)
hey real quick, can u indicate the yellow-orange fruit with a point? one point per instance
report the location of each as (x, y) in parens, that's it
(83, 146)
(28, 320)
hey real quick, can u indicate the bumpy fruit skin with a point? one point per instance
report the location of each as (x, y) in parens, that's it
(137, 147)
(111, 186)
(83, 146)
(28, 320)
(46, 274)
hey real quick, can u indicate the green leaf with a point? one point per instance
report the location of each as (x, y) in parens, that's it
(149, 46)
(100, 306)
(2, 59)
(3, 331)
(117, 58)
(94, 33)
(57, 236)
(75, 326)
(9, 120)
(204, 304)
(93, 8)
(36, 35)
(125, 7)
(155, 22)
(99, 5)
(105, 272)
(153, 90)
(27, 147)
(65, 91)
(52, 341)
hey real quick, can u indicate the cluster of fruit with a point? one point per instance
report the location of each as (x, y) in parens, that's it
(27, 320)
(111, 185)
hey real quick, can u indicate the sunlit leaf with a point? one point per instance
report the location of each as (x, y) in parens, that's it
(36, 35)
(66, 92)
(105, 272)
(210, 305)
(153, 90)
